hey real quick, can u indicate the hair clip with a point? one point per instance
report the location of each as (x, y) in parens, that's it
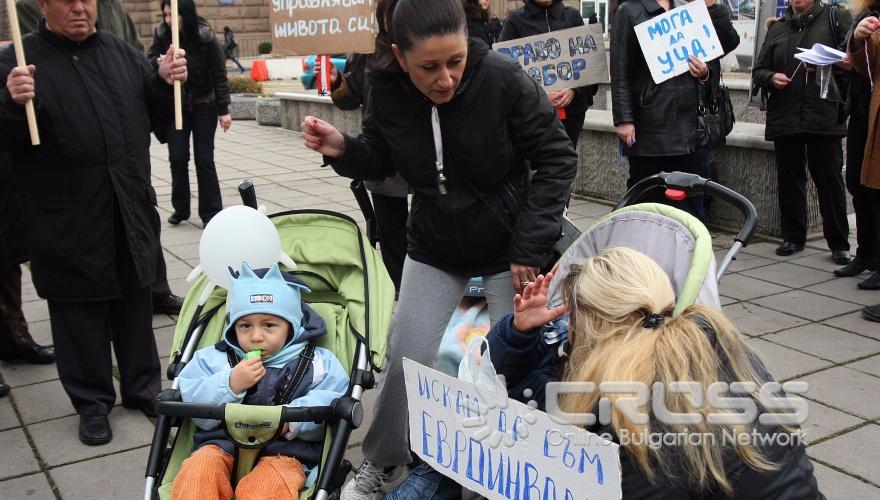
(653, 320)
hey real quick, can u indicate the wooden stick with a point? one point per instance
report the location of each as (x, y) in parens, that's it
(175, 40)
(20, 61)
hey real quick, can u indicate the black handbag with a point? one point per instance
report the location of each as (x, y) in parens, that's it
(714, 116)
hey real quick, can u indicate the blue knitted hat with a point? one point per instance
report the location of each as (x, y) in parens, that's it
(271, 294)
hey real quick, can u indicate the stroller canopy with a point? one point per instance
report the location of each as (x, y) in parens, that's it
(676, 240)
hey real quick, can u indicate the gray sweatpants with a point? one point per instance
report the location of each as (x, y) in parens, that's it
(428, 296)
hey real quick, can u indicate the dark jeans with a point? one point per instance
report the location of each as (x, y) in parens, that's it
(867, 217)
(201, 123)
(698, 162)
(391, 214)
(424, 483)
(824, 159)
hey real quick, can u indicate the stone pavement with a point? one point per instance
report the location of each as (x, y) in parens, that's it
(803, 320)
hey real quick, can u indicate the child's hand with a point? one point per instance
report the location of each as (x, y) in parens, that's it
(530, 309)
(246, 374)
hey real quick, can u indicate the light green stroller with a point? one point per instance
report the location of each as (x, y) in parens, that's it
(352, 292)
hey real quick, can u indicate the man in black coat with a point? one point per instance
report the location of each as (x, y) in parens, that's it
(88, 200)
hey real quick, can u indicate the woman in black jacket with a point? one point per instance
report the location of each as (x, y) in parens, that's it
(806, 130)
(459, 123)
(657, 123)
(477, 12)
(206, 101)
(544, 16)
(621, 330)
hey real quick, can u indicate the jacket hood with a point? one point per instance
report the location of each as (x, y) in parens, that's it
(801, 20)
(555, 9)
(312, 327)
(206, 33)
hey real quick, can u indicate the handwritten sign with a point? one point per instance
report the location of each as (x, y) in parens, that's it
(303, 27)
(562, 59)
(501, 448)
(669, 40)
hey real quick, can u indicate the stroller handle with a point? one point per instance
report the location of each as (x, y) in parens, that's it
(693, 184)
(344, 408)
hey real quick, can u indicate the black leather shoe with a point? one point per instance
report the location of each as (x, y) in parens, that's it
(4, 389)
(788, 248)
(872, 283)
(872, 313)
(169, 304)
(37, 355)
(94, 430)
(840, 256)
(176, 219)
(854, 268)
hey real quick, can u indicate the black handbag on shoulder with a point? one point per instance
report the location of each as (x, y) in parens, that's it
(714, 116)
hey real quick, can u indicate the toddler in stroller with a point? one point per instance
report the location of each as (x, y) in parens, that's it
(264, 358)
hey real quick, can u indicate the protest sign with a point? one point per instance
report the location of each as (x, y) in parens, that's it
(304, 27)
(669, 40)
(501, 448)
(563, 59)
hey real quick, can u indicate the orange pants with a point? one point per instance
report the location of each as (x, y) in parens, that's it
(206, 474)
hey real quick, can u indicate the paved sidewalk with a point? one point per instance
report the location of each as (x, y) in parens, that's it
(803, 320)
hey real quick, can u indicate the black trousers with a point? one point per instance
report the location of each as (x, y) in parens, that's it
(824, 159)
(83, 332)
(867, 217)
(391, 214)
(201, 123)
(574, 125)
(160, 287)
(14, 334)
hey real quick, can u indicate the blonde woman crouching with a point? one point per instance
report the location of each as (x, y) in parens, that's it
(621, 329)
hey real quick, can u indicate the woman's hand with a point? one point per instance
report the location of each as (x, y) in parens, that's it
(334, 73)
(225, 121)
(627, 133)
(698, 69)
(866, 28)
(560, 98)
(779, 81)
(322, 137)
(530, 308)
(246, 374)
(522, 276)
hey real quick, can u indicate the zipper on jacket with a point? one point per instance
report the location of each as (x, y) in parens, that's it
(547, 18)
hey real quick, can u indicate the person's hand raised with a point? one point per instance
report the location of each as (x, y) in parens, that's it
(322, 137)
(20, 84)
(530, 308)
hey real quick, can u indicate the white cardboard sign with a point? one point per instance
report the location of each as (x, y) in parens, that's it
(501, 448)
(563, 59)
(669, 39)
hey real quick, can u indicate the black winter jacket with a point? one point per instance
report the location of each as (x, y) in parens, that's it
(13, 226)
(665, 115)
(477, 27)
(498, 119)
(527, 362)
(532, 19)
(96, 102)
(797, 109)
(205, 63)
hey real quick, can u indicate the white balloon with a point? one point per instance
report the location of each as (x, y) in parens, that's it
(238, 234)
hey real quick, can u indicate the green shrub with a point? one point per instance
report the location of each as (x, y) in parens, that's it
(264, 48)
(244, 85)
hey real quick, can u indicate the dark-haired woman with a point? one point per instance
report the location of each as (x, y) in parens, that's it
(205, 102)
(458, 122)
(477, 13)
